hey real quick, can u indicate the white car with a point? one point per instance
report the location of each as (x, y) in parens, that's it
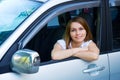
(30, 28)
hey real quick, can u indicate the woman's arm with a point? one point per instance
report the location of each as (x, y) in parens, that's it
(58, 53)
(91, 54)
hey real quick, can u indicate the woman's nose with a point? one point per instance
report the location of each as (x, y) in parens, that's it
(78, 32)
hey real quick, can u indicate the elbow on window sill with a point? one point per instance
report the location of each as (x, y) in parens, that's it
(55, 58)
(94, 57)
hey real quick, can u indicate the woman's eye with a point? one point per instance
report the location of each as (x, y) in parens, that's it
(81, 28)
(72, 30)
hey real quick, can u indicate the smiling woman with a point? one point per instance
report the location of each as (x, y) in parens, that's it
(77, 42)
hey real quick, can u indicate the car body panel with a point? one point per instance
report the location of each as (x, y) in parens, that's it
(65, 70)
(114, 65)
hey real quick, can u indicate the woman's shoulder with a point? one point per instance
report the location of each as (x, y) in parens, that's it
(62, 43)
(86, 43)
(89, 41)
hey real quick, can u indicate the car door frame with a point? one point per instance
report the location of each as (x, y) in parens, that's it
(102, 38)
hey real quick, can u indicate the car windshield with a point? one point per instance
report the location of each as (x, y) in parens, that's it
(13, 13)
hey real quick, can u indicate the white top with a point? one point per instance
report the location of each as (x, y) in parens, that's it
(63, 44)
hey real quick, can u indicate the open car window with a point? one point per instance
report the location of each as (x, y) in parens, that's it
(45, 39)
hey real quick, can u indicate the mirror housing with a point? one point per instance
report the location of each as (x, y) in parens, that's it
(25, 61)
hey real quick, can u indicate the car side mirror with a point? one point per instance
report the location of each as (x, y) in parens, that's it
(25, 61)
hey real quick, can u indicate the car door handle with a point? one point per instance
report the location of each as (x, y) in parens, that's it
(97, 68)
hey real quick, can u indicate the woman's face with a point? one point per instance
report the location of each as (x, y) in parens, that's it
(77, 32)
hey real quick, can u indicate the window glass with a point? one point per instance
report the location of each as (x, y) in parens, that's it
(13, 13)
(115, 14)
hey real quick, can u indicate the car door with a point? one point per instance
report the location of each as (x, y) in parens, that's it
(43, 39)
(114, 54)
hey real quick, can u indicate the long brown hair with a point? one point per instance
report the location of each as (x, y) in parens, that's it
(83, 22)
